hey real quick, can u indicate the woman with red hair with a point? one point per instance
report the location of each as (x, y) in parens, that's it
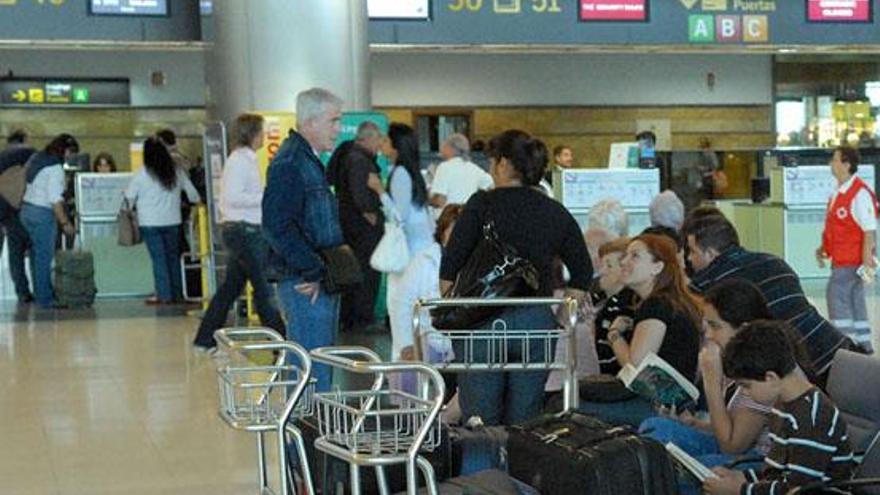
(666, 322)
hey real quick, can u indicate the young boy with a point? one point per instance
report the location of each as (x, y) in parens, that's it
(807, 431)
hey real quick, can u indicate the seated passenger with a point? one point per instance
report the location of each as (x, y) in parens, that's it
(808, 434)
(613, 299)
(716, 255)
(666, 323)
(736, 423)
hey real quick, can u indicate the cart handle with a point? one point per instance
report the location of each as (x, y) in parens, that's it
(335, 356)
(226, 336)
(476, 301)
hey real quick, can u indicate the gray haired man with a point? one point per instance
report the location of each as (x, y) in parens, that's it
(457, 178)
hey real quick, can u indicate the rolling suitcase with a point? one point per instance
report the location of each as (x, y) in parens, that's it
(477, 449)
(577, 454)
(75, 278)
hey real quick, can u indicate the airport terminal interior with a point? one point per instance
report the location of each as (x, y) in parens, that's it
(759, 112)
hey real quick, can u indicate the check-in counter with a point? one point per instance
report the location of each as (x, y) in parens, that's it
(579, 189)
(790, 223)
(119, 270)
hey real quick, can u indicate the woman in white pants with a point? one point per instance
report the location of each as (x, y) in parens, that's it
(407, 200)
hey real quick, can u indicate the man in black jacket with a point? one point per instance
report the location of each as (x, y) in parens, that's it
(715, 254)
(360, 214)
(17, 152)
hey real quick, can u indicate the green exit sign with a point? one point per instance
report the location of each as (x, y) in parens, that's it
(80, 95)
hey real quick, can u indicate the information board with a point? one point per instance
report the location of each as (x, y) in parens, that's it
(839, 11)
(582, 188)
(129, 7)
(399, 9)
(614, 10)
(804, 186)
(64, 92)
(100, 195)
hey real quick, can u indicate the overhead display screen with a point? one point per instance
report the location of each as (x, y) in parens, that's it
(613, 10)
(399, 9)
(129, 7)
(839, 11)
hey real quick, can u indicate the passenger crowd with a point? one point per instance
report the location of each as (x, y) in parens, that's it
(734, 322)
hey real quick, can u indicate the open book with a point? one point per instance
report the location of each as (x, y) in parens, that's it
(658, 381)
(693, 466)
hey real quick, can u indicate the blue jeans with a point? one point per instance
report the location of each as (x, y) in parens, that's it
(18, 242)
(310, 325)
(163, 244)
(41, 228)
(701, 445)
(629, 412)
(507, 397)
(246, 256)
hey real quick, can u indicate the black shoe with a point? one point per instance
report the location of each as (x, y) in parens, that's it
(26, 299)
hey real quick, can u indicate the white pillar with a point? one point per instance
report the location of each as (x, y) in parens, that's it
(266, 51)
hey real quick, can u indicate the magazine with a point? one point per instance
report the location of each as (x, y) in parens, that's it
(693, 466)
(658, 381)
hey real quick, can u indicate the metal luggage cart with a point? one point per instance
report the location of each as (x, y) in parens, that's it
(265, 382)
(490, 350)
(380, 426)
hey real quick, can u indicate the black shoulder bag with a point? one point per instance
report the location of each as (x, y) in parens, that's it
(494, 270)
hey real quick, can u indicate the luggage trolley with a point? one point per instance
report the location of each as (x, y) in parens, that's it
(380, 426)
(262, 398)
(499, 341)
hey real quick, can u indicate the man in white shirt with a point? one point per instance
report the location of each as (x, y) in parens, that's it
(457, 178)
(848, 239)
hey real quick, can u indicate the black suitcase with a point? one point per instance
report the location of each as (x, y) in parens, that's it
(574, 454)
(489, 482)
(330, 475)
(477, 449)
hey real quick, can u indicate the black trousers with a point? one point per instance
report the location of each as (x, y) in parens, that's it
(246, 255)
(358, 304)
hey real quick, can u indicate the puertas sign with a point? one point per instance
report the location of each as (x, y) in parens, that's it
(635, 22)
(64, 92)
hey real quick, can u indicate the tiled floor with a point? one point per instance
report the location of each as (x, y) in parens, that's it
(113, 401)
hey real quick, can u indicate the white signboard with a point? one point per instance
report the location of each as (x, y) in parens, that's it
(815, 185)
(100, 195)
(399, 9)
(634, 188)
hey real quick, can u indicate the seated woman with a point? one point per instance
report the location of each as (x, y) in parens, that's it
(736, 424)
(666, 323)
(613, 299)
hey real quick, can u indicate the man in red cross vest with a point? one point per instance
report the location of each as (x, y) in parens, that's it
(848, 240)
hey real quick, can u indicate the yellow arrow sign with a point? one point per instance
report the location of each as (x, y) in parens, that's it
(19, 96)
(689, 4)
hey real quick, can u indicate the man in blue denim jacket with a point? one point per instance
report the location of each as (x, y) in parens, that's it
(300, 218)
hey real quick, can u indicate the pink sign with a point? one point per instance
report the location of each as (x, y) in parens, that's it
(614, 10)
(839, 10)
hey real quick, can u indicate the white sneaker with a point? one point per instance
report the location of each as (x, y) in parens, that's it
(205, 350)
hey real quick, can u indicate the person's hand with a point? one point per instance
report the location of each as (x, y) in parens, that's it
(870, 263)
(710, 364)
(374, 183)
(371, 218)
(310, 289)
(728, 482)
(821, 256)
(408, 353)
(69, 229)
(621, 324)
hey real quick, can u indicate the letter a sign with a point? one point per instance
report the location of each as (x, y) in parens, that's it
(701, 29)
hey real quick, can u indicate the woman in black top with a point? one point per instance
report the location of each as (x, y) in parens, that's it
(666, 322)
(541, 230)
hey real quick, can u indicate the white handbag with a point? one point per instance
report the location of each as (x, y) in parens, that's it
(392, 253)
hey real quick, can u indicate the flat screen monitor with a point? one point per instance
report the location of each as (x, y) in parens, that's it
(613, 10)
(129, 7)
(415, 10)
(834, 11)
